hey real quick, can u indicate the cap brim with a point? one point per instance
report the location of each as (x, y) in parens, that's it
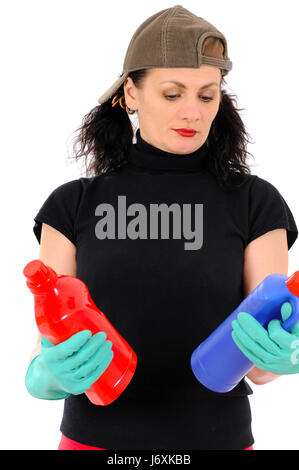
(113, 89)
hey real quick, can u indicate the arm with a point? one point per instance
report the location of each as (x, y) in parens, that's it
(265, 255)
(72, 366)
(59, 252)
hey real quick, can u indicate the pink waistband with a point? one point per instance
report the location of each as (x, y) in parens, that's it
(69, 444)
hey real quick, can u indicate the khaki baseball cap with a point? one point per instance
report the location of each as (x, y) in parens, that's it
(173, 37)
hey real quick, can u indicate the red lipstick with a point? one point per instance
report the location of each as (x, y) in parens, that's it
(186, 132)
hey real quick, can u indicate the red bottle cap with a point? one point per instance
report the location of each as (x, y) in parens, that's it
(293, 283)
(36, 272)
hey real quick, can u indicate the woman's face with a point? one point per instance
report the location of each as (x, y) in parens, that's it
(163, 107)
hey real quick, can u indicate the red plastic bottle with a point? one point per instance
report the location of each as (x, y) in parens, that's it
(63, 307)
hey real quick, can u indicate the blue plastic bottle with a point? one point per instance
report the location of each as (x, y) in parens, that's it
(217, 362)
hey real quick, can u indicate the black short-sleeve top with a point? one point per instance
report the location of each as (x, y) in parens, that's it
(160, 247)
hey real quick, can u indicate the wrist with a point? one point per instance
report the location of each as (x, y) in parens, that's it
(40, 384)
(261, 377)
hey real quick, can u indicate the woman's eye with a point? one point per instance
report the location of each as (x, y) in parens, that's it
(205, 98)
(170, 97)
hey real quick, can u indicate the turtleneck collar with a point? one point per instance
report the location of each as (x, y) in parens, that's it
(144, 155)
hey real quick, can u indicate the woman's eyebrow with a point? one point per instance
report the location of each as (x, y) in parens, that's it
(184, 86)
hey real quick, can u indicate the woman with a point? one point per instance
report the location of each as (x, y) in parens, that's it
(169, 234)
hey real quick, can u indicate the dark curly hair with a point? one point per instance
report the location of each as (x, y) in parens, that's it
(107, 133)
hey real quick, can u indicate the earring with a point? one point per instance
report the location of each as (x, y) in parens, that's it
(122, 103)
(130, 111)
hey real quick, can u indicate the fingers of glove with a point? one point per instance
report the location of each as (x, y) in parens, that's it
(281, 337)
(249, 354)
(251, 344)
(256, 334)
(100, 369)
(68, 347)
(86, 368)
(84, 384)
(286, 310)
(86, 351)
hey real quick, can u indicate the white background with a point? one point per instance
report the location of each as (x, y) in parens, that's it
(57, 58)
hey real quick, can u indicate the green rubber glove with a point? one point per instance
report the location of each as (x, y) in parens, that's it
(70, 367)
(273, 349)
